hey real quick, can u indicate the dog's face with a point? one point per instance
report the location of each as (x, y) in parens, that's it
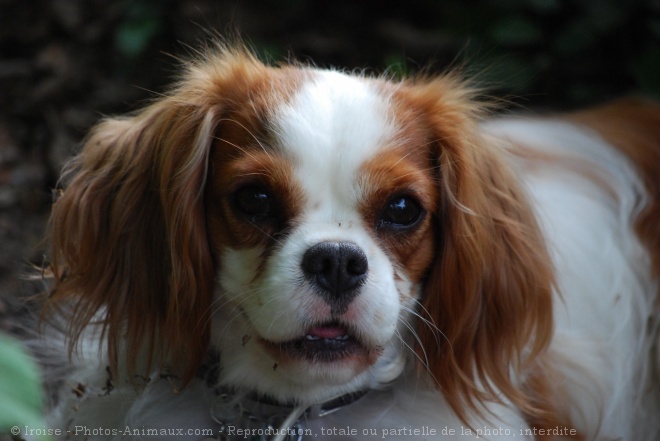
(317, 229)
(320, 216)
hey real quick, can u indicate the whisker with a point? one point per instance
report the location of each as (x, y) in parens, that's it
(410, 152)
(432, 326)
(236, 307)
(425, 360)
(270, 236)
(255, 137)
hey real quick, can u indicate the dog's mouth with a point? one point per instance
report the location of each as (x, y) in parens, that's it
(322, 343)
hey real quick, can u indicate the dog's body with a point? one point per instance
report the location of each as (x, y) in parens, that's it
(278, 238)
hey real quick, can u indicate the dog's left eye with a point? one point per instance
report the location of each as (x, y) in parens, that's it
(401, 211)
(253, 201)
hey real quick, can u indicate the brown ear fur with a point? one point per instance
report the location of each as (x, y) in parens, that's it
(489, 289)
(129, 238)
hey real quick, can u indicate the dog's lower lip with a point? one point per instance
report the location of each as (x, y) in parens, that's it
(316, 338)
(323, 343)
(327, 332)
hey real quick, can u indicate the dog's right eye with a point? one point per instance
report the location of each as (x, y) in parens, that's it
(254, 202)
(401, 212)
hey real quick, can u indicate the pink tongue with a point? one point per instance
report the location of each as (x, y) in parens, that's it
(327, 331)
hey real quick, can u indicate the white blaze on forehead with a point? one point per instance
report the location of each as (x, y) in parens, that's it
(333, 124)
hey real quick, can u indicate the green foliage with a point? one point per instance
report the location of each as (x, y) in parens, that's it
(20, 397)
(142, 21)
(559, 52)
(646, 69)
(397, 67)
(571, 53)
(267, 52)
(515, 30)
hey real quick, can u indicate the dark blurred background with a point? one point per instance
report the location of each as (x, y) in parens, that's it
(65, 63)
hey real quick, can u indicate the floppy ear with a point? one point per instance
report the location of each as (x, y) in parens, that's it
(129, 245)
(129, 236)
(489, 288)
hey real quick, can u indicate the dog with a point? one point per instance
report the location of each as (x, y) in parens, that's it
(288, 252)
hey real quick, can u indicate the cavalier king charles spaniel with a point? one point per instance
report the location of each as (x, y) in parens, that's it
(294, 253)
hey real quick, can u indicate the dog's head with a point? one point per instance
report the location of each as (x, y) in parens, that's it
(318, 229)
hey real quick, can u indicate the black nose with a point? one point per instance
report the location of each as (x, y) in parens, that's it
(337, 269)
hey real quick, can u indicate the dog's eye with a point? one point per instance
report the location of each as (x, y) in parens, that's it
(253, 201)
(401, 211)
